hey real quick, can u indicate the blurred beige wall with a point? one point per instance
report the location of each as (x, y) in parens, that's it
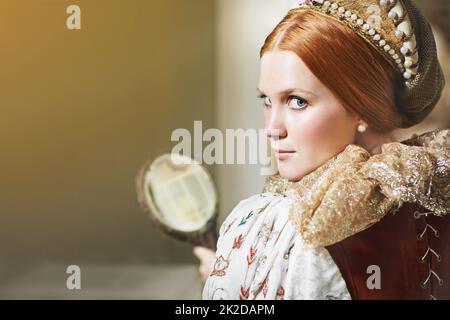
(83, 109)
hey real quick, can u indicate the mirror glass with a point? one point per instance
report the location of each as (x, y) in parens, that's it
(179, 193)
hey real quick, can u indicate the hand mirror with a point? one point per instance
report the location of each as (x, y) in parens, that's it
(180, 198)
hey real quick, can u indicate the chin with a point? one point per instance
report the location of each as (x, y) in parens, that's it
(295, 171)
(292, 174)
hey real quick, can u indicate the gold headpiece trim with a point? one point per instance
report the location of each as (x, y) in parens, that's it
(382, 23)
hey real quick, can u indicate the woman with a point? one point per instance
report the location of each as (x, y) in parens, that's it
(351, 213)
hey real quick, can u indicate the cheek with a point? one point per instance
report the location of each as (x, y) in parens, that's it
(317, 135)
(322, 129)
(308, 128)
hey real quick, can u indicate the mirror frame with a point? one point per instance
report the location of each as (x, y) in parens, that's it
(205, 236)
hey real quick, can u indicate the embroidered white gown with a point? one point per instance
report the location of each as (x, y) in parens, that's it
(260, 255)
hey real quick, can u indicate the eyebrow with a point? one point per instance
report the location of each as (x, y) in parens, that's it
(289, 91)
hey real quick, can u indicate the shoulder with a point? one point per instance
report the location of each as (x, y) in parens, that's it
(416, 170)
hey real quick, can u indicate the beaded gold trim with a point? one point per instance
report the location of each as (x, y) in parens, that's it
(382, 23)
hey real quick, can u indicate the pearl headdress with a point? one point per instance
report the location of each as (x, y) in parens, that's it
(401, 34)
(384, 23)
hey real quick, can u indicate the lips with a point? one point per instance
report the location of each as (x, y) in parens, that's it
(284, 151)
(283, 154)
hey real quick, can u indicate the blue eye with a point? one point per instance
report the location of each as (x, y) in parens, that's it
(266, 101)
(297, 103)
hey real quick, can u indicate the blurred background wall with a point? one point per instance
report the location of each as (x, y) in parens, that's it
(82, 110)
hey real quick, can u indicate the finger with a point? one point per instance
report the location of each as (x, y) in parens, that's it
(201, 250)
(200, 256)
(196, 252)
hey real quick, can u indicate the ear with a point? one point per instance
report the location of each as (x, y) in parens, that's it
(362, 126)
(361, 121)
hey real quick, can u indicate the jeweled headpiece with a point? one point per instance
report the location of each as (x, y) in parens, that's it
(400, 33)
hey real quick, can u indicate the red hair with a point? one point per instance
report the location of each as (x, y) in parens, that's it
(353, 70)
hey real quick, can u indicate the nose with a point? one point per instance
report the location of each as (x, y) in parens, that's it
(275, 127)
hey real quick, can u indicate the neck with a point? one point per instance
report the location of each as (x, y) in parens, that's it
(372, 140)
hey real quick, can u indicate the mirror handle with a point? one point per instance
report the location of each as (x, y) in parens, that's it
(208, 239)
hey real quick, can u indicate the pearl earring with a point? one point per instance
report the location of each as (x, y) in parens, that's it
(362, 128)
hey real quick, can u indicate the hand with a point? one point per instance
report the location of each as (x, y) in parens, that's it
(207, 258)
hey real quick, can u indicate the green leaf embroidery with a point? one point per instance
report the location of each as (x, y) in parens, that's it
(245, 219)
